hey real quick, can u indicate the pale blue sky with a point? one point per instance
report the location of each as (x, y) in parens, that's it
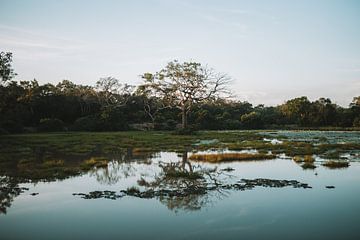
(274, 50)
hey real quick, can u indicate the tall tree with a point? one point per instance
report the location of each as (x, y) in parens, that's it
(6, 70)
(182, 85)
(111, 92)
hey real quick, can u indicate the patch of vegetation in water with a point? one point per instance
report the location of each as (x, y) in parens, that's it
(336, 164)
(227, 157)
(99, 194)
(308, 165)
(306, 159)
(242, 185)
(94, 162)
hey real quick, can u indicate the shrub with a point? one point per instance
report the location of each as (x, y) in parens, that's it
(87, 123)
(168, 125)
(356, 122)
(51, 125)
(191, 130)
(10, 126)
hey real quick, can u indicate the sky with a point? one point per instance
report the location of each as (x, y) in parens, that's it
(274, 50)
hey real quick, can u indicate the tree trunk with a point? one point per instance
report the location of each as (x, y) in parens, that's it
(184, 117)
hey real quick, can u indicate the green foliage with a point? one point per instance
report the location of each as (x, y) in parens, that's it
(11, 126)
(88, 123)
(51, 125)
(187, 91)
(168, 125)
(251, 120)
(6, 70)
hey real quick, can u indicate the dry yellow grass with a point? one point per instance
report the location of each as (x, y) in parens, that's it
(306, 158)
(223, 157)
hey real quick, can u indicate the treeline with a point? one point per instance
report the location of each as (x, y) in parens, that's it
(28, 106)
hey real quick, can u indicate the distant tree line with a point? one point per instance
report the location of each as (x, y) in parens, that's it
(180, 95)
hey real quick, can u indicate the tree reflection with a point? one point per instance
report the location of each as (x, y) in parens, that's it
(113, 172)
(182, 186)
(9, 189)
(122, 166)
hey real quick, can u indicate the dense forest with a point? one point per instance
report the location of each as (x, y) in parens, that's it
(27, 106)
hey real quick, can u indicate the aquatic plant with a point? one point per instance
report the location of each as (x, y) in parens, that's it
(223, 157)
(336, 164)
(308, 165)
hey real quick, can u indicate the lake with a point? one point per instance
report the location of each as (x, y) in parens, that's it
(144, 194)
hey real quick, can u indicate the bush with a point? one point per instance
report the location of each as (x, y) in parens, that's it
(191, 130)
(51, 125)
(11, 126)
(88, 123)
(168, 125)
(356, 122)
(231, 124)
(251, 120)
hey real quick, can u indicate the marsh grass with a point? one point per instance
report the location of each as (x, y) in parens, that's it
(225, 157)
(59, 155)
(95, 162)
(53, 163)
(306, 159)
(336, 164)
(308, 165)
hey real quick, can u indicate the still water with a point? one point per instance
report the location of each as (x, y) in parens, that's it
(257, 213)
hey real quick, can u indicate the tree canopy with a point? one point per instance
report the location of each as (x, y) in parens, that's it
(187, 93)
(182, 85)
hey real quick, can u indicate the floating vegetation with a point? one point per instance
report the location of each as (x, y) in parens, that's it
(99, 194)
(228, 169)
(336, 164)
(225, 157)
(263, 182)
(242, 185)
(308, 165)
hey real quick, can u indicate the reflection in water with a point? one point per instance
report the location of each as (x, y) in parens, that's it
(9, 189)
(182, 186)
(113, 172)
(122, 166)
(40, 164)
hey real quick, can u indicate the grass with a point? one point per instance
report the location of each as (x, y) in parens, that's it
(336, 164)
(308, 165)
(53, 163)
(225, 157)
(306, 159)
(95, 162)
